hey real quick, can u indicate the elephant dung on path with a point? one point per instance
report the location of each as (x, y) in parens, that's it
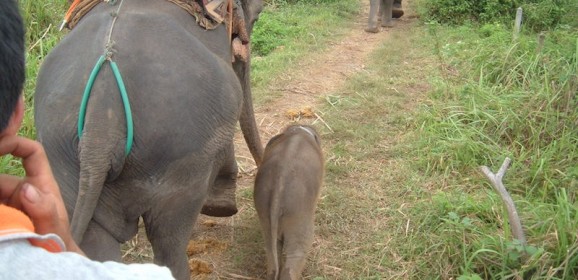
(286, 191)
(186, 98)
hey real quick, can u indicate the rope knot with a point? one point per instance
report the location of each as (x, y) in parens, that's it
(109, 50)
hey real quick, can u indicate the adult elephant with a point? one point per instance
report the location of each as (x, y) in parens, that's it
(186, 99)
(387, 10)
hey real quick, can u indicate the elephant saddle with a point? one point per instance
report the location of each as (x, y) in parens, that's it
(208, 13)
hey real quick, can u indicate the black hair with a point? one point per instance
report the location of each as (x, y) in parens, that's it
(12, 71)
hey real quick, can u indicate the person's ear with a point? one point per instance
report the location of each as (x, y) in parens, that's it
(15, 120)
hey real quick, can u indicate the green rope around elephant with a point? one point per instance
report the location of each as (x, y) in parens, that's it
(123, 94)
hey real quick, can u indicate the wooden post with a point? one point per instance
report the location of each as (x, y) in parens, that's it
(540, 44)
(518, 23)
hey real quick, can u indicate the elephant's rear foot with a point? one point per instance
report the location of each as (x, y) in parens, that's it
(389, 23)
(221, 205)
(372, 29)
(221, 200)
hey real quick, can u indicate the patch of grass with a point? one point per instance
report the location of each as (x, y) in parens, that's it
(497, 98)
(513, 101)
(41, 20)
(11, 166)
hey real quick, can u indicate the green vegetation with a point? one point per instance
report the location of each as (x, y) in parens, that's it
(512, 101)
(497, 97)
(490, 97)
(403, 197)
(539, 15)
(42, 20)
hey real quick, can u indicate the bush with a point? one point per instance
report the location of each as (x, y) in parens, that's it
(462, 11)
(542, 15)
(267, 35)
(538, 14)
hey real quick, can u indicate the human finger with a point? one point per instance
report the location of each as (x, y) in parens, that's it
(35, 163)
(33, 157)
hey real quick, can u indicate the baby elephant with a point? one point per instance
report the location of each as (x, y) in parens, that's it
(286, 193)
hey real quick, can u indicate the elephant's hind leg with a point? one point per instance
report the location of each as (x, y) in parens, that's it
(374, 7)
(387, 15)
(169, 225)
(297, 241)
(221, 199)
(98, 244)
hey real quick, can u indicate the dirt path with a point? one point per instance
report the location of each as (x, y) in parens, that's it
(300, 99)
(318, 76)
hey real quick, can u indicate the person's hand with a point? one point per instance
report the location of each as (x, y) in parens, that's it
(37, 194)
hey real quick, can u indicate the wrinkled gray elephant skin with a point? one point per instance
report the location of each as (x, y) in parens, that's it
(186, 99)
(286, 191)
(377, 8)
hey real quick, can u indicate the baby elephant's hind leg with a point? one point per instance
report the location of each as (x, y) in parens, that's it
(296, 245)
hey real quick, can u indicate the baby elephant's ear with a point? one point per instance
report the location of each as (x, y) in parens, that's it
(311, 131)
(275, 138)
(317, 138)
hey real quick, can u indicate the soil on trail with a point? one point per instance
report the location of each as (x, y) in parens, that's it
(232, 248)
(319, 75)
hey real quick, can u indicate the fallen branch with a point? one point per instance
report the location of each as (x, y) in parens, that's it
(41, 38)
(513, 218)
(321, 119)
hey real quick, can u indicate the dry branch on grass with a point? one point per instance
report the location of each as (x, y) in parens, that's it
(513, 218)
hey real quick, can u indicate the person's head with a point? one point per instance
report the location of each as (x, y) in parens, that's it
(12, 71)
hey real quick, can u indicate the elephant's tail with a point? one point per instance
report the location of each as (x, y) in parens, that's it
(101, 152)
(247, 119)
(274, 218)
(91, 183)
